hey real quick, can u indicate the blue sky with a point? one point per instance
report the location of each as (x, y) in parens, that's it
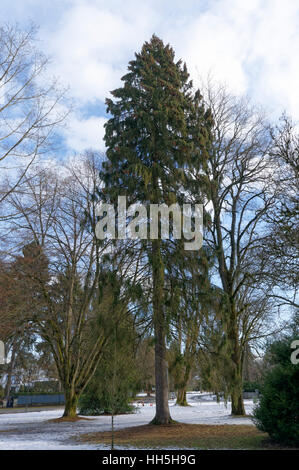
(253, 46)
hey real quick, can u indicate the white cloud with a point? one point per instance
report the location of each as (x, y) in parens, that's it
(92, 45)
(213, 45)
(82, 134)
(274, 53)
(253, 46)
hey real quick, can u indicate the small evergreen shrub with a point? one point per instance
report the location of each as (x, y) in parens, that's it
(96, 402)
(278, 410)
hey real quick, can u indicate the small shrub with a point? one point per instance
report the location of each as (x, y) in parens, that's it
(92, 405)
(278, 410)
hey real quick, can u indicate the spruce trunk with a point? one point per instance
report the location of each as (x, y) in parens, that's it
(161, 367)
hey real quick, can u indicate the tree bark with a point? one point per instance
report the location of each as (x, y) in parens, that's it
(237, 374)
(237, 387)
(71, 402)
(182, 385)
(161, 375)
(181, 399)
(237, 403)
(161, 366)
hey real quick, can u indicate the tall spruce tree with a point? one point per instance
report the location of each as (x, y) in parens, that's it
(158, 129)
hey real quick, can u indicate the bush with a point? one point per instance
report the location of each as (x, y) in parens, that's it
(94, 404)
(277, 411)
(251, 386)
(32, 394)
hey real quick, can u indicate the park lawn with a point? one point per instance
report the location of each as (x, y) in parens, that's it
(179, 435)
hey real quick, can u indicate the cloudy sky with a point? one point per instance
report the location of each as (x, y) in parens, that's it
(251, 45)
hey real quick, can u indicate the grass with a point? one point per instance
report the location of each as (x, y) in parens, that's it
(197, 436)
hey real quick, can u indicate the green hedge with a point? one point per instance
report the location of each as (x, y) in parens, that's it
(251, 386)
(17, 394)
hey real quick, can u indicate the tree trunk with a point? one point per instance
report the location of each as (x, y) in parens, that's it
(237, 366)
(161, 375)
(237, 390)
(161, 366)
(112, 431)
(181, 399)
(182, 384)
(10, 371)
(71, 402)
(237, 403)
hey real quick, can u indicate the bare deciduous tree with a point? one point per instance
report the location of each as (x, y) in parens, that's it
(31, 104)
(241, 193)
(53, 208)
(282, 242)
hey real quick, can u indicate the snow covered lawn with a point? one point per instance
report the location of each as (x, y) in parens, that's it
(33, 430)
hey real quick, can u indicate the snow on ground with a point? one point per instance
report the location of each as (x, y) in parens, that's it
(33, 430)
